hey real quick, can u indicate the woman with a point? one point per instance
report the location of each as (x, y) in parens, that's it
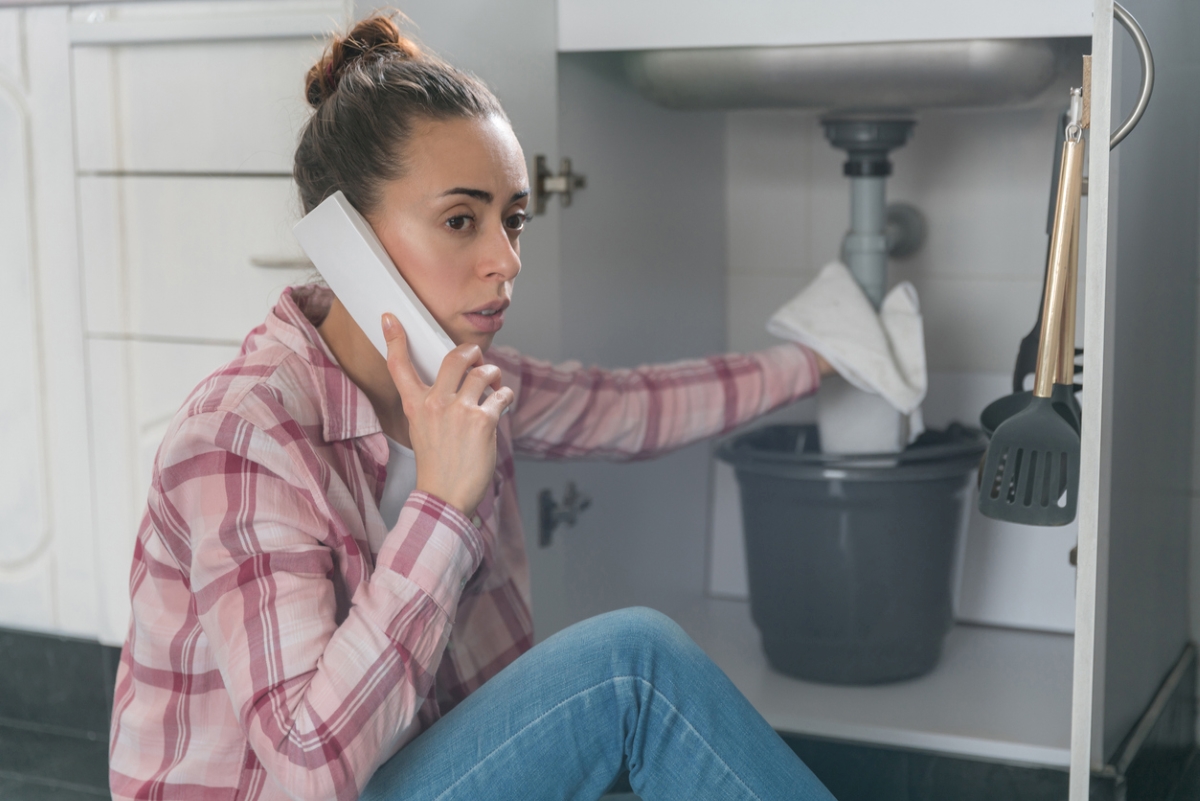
(331, 564)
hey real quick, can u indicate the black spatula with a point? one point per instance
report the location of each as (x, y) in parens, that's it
(1031, 474)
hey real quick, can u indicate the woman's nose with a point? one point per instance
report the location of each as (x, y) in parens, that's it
(500, 257)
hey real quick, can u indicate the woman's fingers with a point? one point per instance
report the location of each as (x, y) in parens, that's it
(398, 361)
(479, 379)
(498, 401)
(454, 368)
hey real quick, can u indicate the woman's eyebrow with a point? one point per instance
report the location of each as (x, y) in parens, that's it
(482, 194)
(478, 194)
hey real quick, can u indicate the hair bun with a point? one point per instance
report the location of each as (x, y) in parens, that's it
(377, 36)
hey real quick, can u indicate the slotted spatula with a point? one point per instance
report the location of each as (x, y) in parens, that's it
(1031, 474)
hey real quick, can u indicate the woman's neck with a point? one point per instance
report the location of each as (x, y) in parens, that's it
(366, 368)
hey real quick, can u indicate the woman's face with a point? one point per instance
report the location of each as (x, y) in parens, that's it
(451, 223)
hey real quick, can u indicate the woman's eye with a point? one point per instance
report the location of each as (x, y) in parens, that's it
(458, 222)
(516, 222)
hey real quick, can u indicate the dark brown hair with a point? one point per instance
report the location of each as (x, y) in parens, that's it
(368, 89)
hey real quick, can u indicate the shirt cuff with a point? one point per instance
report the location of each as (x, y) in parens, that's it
(814, 367)
(797, 366)
(435, 547)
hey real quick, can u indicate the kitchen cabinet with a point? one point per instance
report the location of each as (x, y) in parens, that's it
(1119, 642)
(48, 577)
(185, 118)
(147, 127)
(23, 496)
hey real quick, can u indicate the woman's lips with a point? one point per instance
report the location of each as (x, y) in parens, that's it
(486, 323)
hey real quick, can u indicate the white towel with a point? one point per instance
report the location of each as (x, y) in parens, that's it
(880, 354)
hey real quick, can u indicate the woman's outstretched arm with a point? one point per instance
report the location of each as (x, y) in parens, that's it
(571, 411)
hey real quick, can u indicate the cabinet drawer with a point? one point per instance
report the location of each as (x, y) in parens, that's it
(177, 256)
(136, 389)
(194, 106)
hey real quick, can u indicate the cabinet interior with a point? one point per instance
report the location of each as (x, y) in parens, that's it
(717, 218)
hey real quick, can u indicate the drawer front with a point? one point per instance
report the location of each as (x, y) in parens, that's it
(136, 389)
(197, 107)
(196, 258)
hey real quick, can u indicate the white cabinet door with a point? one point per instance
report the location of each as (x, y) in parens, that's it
(47, 575)
(1140, 317)
(25, 563)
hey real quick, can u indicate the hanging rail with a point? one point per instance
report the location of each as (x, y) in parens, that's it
(1147, 59)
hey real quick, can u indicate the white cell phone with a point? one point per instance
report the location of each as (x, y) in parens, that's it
(352, 260)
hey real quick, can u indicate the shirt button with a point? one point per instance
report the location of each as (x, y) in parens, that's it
(477, 520)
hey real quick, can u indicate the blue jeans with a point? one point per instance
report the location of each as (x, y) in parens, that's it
(625, 691)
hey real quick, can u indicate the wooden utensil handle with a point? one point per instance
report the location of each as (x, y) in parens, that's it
(1066, 350)
(1065, 210)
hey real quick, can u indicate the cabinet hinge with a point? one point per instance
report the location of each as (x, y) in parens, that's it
(546, 183)
(552, 513)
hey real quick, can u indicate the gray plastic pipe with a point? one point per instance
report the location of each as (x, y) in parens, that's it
(865, 247)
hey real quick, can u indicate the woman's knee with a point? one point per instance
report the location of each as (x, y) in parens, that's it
(647, 622)
(643, 632)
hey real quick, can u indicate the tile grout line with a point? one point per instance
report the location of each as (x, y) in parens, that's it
(50, 728)
(55, 783)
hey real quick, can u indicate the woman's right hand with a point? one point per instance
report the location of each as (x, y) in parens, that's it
(453, 434)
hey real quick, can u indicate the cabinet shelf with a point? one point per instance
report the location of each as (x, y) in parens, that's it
(997, 694)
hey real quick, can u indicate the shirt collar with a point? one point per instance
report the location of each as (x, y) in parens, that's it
(346, 412)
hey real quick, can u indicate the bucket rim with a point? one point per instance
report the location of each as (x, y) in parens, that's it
(938, 460)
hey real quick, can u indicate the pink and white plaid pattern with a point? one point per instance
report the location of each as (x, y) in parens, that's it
(270, 655)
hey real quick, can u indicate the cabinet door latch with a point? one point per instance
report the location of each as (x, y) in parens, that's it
(551, 513)
(546, 183)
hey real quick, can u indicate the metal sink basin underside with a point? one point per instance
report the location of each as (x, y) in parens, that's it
(899, 76)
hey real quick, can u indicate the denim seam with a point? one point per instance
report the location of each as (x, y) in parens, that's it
(582, 692)
(707, 745)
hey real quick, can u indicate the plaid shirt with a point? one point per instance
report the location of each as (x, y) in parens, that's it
(270, 654)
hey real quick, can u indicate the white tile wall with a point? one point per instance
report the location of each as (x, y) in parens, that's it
(982, 180)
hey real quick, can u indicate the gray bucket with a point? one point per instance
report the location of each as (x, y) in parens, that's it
(851, 557)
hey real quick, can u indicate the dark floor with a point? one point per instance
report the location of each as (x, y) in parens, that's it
(1189, 787)
(56, 693)
(55, 696)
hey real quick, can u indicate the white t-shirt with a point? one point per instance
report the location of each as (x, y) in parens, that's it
(401, 481)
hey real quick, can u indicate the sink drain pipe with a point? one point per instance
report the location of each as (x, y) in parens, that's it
(876, 230)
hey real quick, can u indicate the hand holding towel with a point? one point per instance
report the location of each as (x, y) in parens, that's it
(881, 354)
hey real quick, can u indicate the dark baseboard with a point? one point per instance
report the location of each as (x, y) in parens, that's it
(55, 700)
(1154, 758)
(857, 772)
(60, 683)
